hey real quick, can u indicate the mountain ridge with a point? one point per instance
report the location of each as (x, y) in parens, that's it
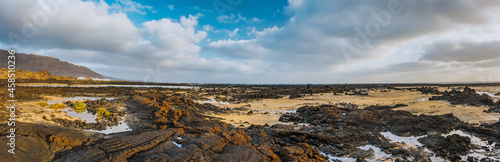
(55, 66)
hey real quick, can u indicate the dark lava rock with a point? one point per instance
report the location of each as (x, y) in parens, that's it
(485, 131)
(87, 153)
(118, 148)
(36, 142)
(378, 107)
(447, 147)
(300, 152)
(466, 97)
(495, 108)
(240, 153)
(155, 153)
(398, 122)
(340, 131)
(27, 149)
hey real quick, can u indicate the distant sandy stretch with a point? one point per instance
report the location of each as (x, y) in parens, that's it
(417, 104)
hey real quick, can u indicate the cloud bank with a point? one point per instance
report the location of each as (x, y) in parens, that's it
(321, 41)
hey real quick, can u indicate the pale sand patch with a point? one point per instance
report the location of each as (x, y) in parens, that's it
(411, 98)
(30, 112)
(258, 119)
(373, 98)
(465, 113)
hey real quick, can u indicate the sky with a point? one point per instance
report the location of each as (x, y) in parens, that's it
(262, 41)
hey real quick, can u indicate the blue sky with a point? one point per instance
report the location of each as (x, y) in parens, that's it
(223, 18)
(265, 13)
(257, 41)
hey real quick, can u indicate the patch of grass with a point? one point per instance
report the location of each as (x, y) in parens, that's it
(57, 106)
(43, 104)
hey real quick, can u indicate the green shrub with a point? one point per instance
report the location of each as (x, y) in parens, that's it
(79, 107)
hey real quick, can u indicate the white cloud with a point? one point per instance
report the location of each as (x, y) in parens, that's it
(131, 6)
(313, 38)
(176, 37)
(426, 41)
(171, 7)
(242, 49)
(208, 28)
(462, 51)
(86, 33)
(254, 19)
(231, 18)
(71, 24)
(233, 33)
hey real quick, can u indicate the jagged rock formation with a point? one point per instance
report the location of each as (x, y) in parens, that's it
(466, 97)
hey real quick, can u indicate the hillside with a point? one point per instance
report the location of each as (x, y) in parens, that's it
(35, 63)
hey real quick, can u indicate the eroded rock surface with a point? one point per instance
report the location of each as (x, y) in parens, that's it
(40, 143)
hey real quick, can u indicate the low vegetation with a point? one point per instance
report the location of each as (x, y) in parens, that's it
(79, 107)
(103, 112)
(57, 106)
(43, 104)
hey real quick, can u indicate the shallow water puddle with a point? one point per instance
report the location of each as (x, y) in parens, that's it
(212, 100)
(289, 111)
(423, 99)
(412, 140)
(89, 118)
(76, 99)
(84, 116)
(123, 127)
(378, 154)
(343, 159)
